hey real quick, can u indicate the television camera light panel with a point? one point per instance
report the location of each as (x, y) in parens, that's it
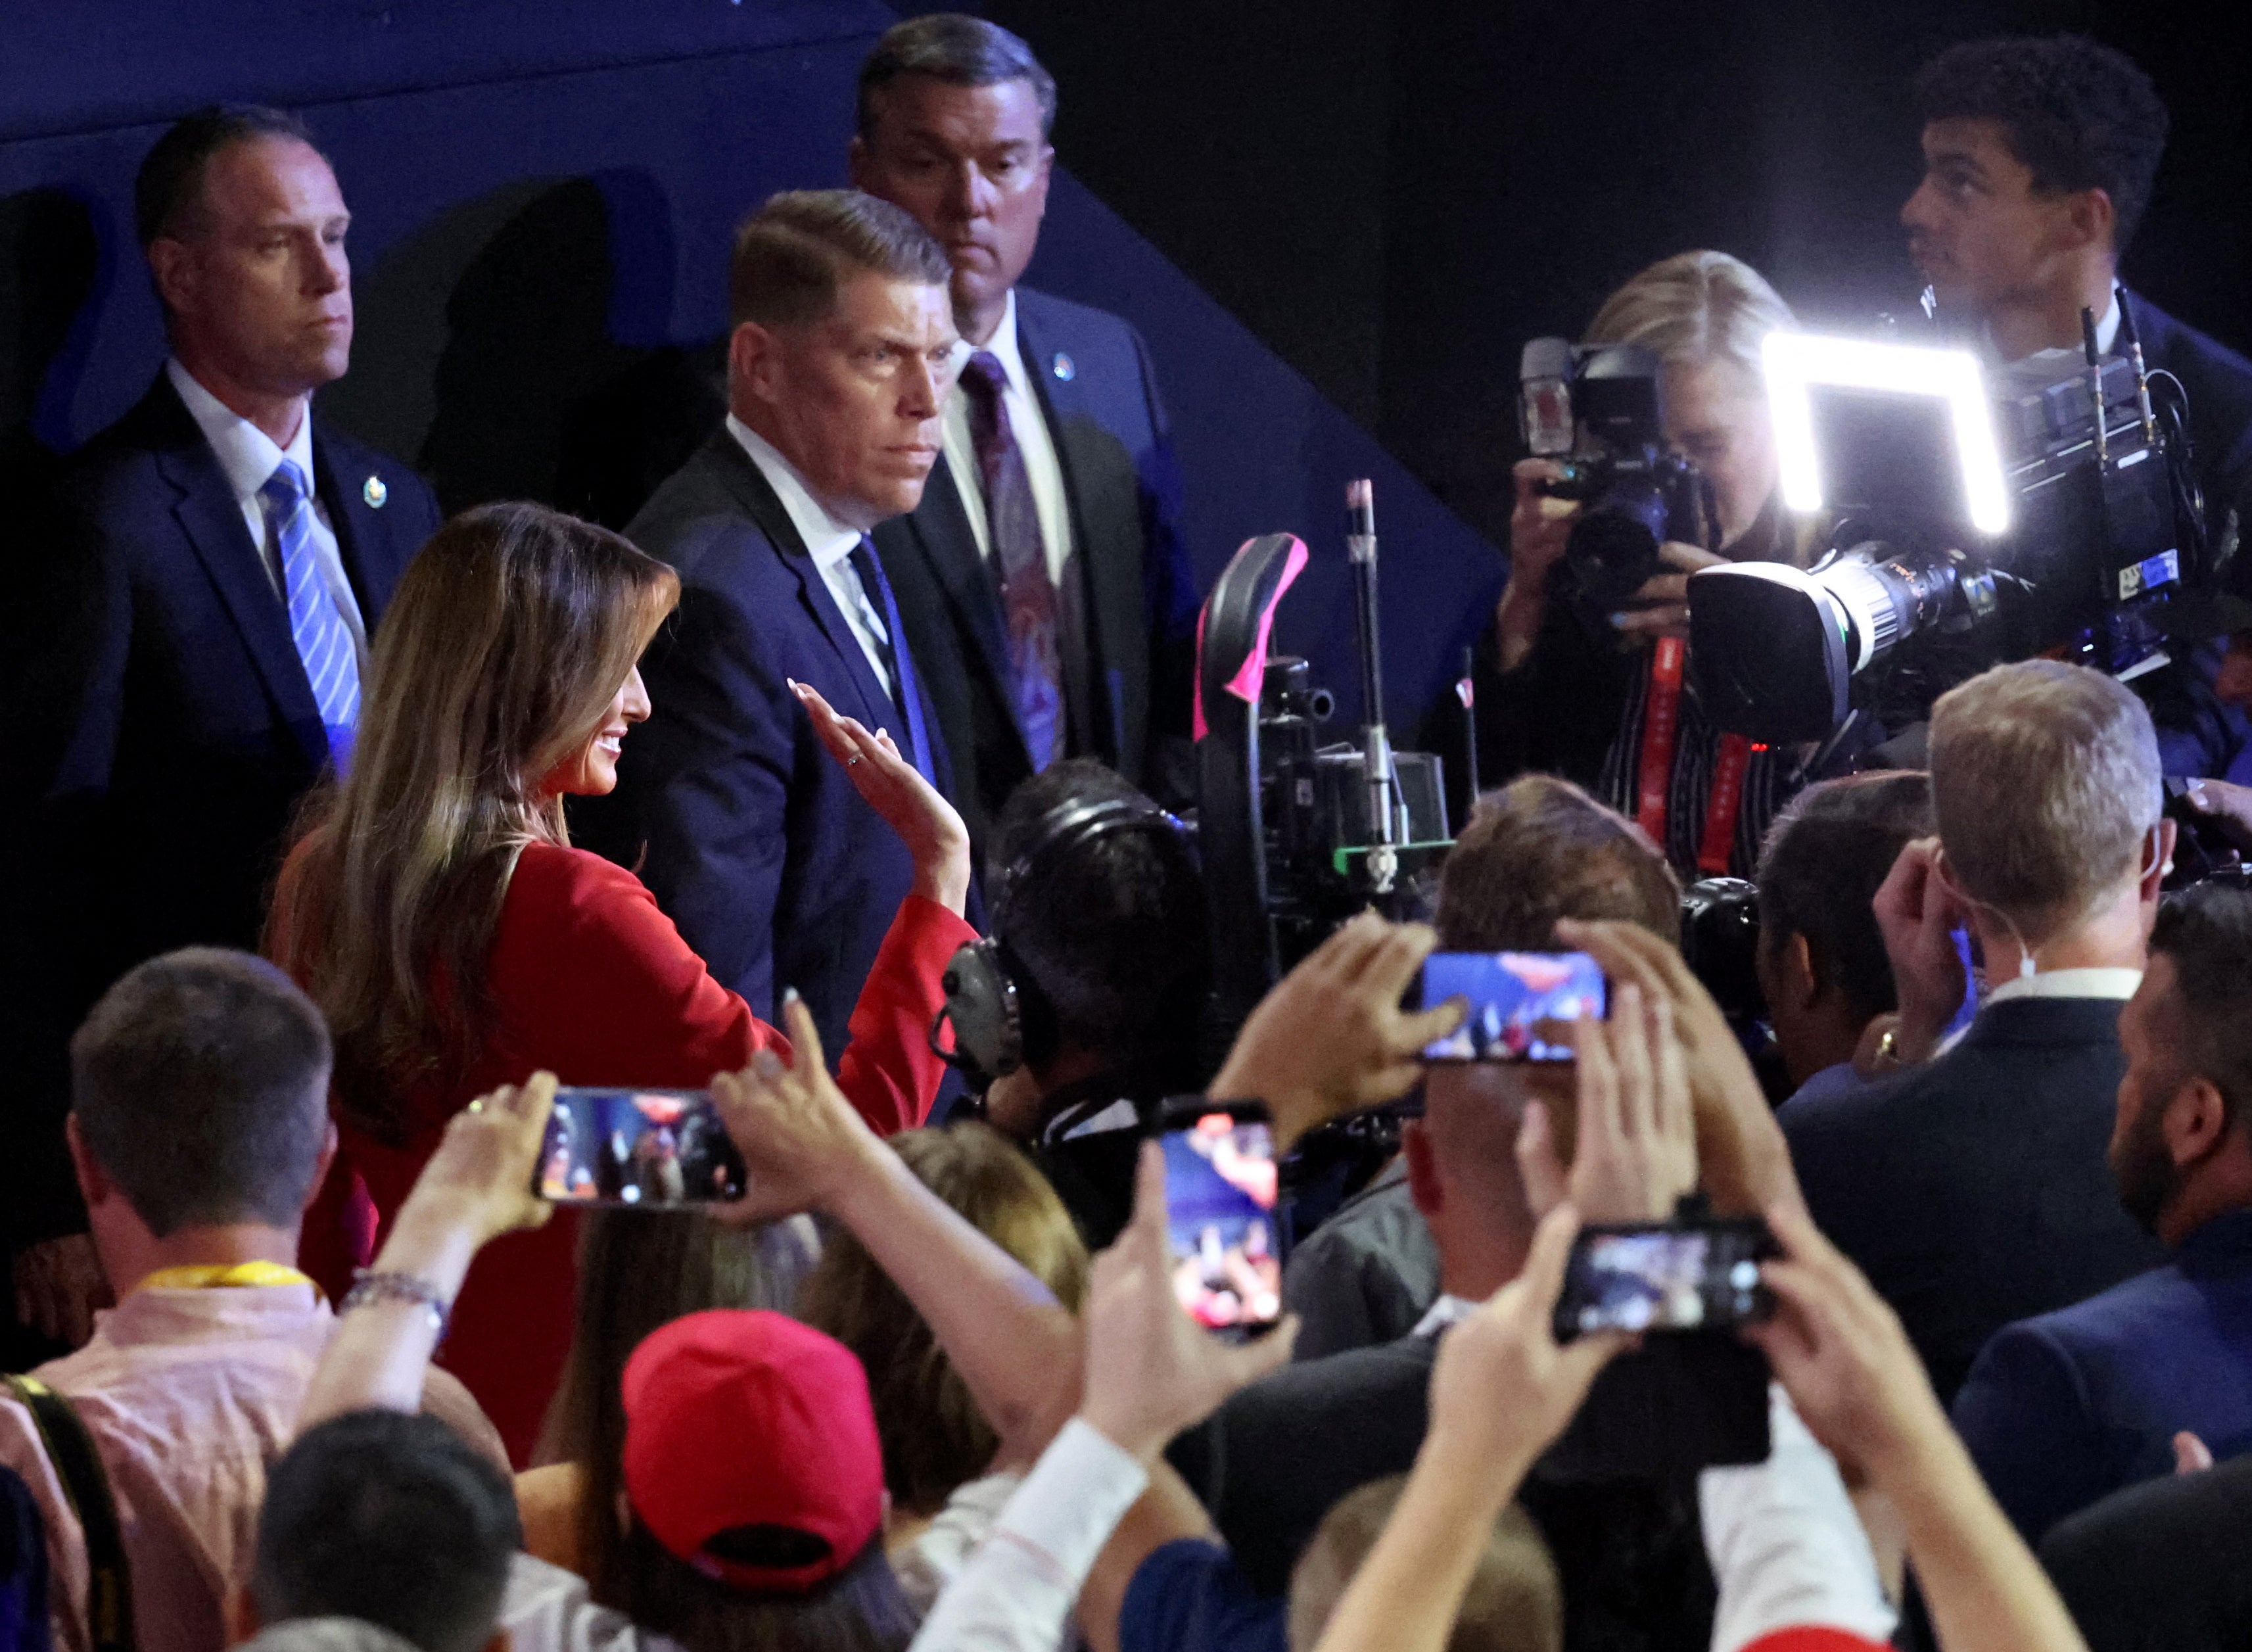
(1864, 423)
(1512, 996)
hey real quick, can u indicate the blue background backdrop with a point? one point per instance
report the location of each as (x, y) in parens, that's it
(543, 198)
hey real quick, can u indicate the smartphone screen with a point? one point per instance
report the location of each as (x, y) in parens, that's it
(1220, 1214)
(638, 1148)
(1696, 1276)
(1510, 994)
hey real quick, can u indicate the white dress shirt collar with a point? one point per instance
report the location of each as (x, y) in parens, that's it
(2069, 984)
(2107, 331)
(1004, 347)
(246, 453)
(827, 540)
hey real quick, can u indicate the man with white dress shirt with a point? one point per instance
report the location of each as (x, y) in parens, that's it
(756, 843)
(1044, 581)
(193, 648)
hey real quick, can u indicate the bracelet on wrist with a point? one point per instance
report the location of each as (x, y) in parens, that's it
(370, 1288)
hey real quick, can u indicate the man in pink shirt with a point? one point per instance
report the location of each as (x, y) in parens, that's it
(199, 1130)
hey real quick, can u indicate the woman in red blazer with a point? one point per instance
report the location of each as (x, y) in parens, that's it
(438, 914)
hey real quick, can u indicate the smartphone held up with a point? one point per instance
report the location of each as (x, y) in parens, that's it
(1222, 1186)
(1518, 1003)
(637, 1149)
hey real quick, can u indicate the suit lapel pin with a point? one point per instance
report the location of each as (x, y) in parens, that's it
(375, 493)
(1064, 367)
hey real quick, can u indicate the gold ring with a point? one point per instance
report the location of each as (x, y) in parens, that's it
(851, 759)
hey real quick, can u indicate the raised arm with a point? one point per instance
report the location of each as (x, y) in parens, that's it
(1152, 1371)
(1501, 1390)
(806, 1149)
(1841, 1353)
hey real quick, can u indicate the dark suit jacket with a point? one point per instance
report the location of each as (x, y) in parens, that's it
(171, 726)
(1093, 376)
(2062, 1410)
(750, 835)
(1974, 1190)
(2159, 1567)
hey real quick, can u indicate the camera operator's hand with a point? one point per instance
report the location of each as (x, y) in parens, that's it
(1540, 527)
(1636, 1151)
(1661, 608)
(2228, 806)
(801, 1141)
(911, 805)
(1151, 1370)
(1331, 1037)
(1917, 915)
(1744, 1163)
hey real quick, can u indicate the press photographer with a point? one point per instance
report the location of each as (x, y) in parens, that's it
(1562, 690)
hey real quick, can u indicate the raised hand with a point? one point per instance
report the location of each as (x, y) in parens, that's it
(1741, 1158)
(1151, 1370)
(801, 1141)
(1331, 1037)
(911, 805)
(1661, 606)
(1917, 914)
(1636, 1153)
(480, 1180)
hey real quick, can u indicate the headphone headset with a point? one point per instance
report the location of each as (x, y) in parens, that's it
(993, 1004)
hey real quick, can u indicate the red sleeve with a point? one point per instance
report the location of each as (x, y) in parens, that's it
(592, 980)
(887, 1071)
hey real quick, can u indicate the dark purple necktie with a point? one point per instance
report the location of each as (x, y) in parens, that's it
(1028, 595)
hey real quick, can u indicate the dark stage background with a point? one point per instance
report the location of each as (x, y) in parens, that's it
(1335, 220)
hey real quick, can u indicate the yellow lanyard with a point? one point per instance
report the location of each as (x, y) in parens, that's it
(218, 1276)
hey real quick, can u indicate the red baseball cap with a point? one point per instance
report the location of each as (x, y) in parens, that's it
(739, 1418)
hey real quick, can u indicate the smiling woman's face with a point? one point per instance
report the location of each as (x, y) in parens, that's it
(592, 771)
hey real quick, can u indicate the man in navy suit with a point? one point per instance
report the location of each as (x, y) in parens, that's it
(2065, 1408)
(192, 654)
(1043, 578)
(1972, 1188)
(2040, 154)
(754, 841)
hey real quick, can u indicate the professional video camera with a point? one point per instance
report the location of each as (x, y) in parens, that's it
(2050, 507)
(1296, 835)
(1599, 411)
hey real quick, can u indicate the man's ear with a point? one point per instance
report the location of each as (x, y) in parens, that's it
(1795, 970)
(2095, 221)
(172, 265)
(502, 1641)
(1422, 1169)
(2158, 863)
(856, 163)
(93, 1181)
(2196, 1121)
(321, 1170)
(754, 368)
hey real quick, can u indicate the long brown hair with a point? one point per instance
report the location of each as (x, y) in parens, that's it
(933, 1435)
(503, 648)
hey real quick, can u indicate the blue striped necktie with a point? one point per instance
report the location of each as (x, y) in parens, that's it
(325, 644)
(907, 694)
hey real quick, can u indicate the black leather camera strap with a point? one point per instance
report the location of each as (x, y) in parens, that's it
(78, 1465)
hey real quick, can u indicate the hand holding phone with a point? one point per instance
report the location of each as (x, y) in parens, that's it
(637, 1149)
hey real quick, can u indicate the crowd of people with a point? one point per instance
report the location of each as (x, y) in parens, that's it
(875, 712)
